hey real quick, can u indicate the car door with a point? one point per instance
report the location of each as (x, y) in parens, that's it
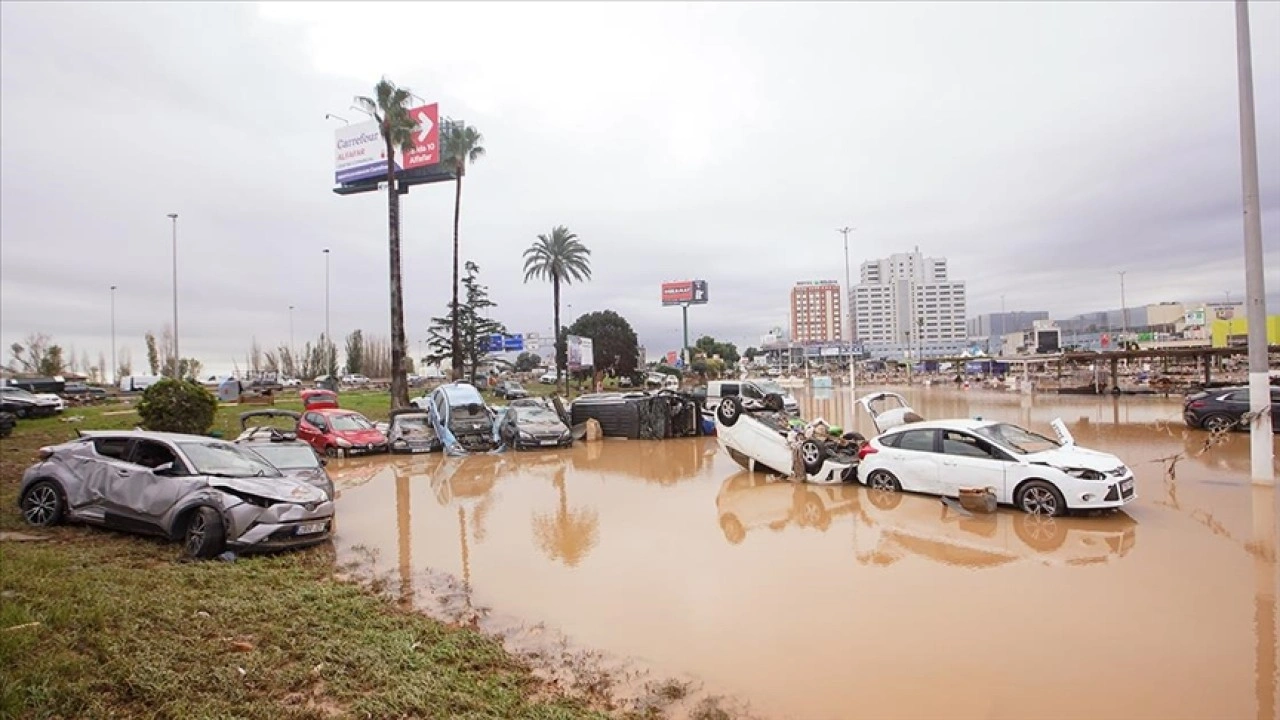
(137, 497)
(916, 461)
(968, 462)
(1236, 403)
(311, 429)
(96, 467)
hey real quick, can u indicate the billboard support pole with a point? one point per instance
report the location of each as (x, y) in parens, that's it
(684, 352)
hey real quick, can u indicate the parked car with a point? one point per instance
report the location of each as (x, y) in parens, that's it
(548, 377)
(334, 432)
(1223, 409)
(1027, 470)
(766, 440)
(58, 403)
(210, 494)
(55, 384)
(534, 423)
(290, 383)
(79, 389)
(411, 431)
(511, 390)
(355, 380)
(752, 393)
(281, 447)
(461, 419)
(23, 404)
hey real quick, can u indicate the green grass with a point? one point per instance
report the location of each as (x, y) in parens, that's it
(95, 624)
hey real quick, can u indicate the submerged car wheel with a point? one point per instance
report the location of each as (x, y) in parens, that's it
(1040, 498)
(42, 504)
(1218, 423)
(884, 481)
(728, 411)
(205, 535)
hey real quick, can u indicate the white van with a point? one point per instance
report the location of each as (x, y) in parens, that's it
(138, 383)
(753, 389)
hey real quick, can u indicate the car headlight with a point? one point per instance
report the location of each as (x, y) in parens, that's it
(400, 443)
(526, 435)
(343, 443)
(1084, 474)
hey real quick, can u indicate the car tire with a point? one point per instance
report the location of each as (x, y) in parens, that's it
(1218, 423)
(884, 481)
(728, 411)
(43, 504)
(813, 454)
(21, 413)
(204, 537)
(330, 451)
(1037, 497)
(1041, 533)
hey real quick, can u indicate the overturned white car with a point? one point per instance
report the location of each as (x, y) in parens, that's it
(769, 440)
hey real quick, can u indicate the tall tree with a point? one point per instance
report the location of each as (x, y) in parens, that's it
(613, 341)
(559, 258)
(153, 355)
(355, 352)
(389, 107)
(461, 145)
(474, 325)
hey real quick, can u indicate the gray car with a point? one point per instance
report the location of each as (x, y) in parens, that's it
(282, 448)
(210, 494)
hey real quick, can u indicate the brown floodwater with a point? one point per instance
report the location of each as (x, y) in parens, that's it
(830, 602)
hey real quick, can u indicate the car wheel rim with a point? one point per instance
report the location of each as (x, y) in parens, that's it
(41, 504)
(1042, 528)
(1217, 424)
(881, 481)
(810, 454)
(195, 534)
(1039, 501)
(728, 410)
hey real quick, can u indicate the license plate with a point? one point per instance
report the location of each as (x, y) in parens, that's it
(419, 449)
(311, 528)
(549, 443)
(1126, 486)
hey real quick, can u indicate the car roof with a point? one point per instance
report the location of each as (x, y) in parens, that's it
(149, 435)
(461, 393)
(335, 411)
(955, 424)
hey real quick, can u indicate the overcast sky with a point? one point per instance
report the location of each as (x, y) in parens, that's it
(1040, 147)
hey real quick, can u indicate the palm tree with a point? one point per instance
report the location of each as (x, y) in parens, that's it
(559, 258)
(460, 144)
(567, 534)
(389, 107)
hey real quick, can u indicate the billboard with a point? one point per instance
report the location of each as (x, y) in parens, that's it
(1193, 318)
(361, 153)
(684, 292)
(581, 352)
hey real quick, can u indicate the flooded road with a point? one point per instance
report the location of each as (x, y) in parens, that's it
(830, 602)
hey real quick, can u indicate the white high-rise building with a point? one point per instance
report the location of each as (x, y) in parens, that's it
(906, 302)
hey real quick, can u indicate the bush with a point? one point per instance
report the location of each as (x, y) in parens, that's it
(180, 406)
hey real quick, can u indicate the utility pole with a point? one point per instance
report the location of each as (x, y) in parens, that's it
(848, 300)
(291, 348)
(328, 340)
(115, 369)
(1260, 440)
(177, 356)
(1124, 308)
(1004, 319)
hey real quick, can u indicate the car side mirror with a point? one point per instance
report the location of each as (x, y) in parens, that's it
(164, 470)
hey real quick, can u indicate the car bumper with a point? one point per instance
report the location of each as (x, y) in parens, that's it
(280, 526)
(370, 449)
(541, 443)
(413, 448)
(1101, 496)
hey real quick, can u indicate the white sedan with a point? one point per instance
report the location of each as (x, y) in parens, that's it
(1029, 471)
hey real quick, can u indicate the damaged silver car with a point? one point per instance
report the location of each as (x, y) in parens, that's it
(210, 494)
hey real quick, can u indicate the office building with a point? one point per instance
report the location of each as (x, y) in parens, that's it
(907, 302)
(816, 312)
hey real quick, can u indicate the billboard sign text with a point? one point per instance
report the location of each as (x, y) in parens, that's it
(581, 352)
(691, 292)
(361, 153)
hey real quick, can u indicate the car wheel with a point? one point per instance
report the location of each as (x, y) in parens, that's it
(1218, 424)
(1041, 533)
(21, 413)
(728, 411)
(812, 454)
(205, 534)
(1038, 497)
(884, 481)
(42, 504)
(330, 451)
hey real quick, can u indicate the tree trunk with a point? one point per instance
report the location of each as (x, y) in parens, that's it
(555, 293)
(457, 212)
(399, 383)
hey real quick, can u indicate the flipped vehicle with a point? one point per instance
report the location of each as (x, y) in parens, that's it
(210, 494)
(1223, 409)
(772, 441)
(282, 448)
(23, 404)
(534, 423)
(511, 390)
(1029, 471)
(410, 431)
(463, 423)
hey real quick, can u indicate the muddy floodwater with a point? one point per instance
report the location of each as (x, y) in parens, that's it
(827, 602)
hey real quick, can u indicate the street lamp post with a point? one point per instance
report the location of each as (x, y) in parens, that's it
(1004, 318)
(177, 356)
(115, 372)
(328, 341)
(291, 348)
(848, 301)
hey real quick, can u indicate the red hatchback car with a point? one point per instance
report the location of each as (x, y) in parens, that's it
(334, 431)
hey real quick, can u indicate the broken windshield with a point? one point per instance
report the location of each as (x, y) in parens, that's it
(1017, 439)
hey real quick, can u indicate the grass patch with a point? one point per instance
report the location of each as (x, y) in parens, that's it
(101, 624)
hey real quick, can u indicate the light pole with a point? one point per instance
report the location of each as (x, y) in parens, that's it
(177, 356)
(1255, 291)
(1124, 308)
(848, 301)
(1003, 319)
(115, 372)
(290, 331)
(328, 341)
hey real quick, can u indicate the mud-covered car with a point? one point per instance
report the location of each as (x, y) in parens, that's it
(534, 423)
(410, 431)
(210, 494)
(462, 421)
(281, 447)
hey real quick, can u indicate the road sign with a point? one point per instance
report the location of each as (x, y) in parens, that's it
(426, 137)
(513, 343)
(495, 343)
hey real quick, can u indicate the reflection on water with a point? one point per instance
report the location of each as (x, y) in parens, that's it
(720, 572)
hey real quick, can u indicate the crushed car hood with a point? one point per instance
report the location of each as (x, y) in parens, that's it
(1075, 457)
(284, 489)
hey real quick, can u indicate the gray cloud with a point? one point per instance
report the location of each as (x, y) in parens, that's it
(1040, 147)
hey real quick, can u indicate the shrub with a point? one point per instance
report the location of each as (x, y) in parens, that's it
(180, 406)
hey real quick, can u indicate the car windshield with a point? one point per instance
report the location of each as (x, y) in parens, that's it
(770, 387)
(288, 457)
(1016, 439)
(218, 458)
(410, 424)
(349, 422)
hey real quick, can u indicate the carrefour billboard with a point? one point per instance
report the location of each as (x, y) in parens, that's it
(684, 292)
(581, 352)
(361, 154)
